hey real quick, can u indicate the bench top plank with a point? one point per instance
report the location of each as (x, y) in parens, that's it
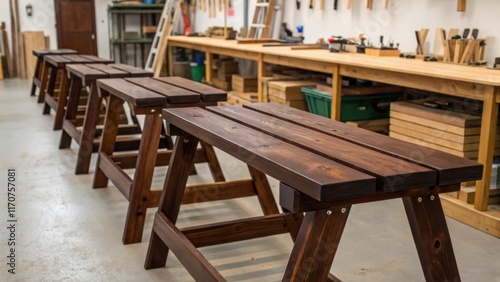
(85, 72)
(131, 93)
(133, 71)
(109, 70)
(319, 177)
(44, 52)
(60, 61)
(392, 174)
(208, 93)
(174, 95)
(451, 169)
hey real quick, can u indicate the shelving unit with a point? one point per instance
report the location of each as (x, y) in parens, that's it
(119, 19)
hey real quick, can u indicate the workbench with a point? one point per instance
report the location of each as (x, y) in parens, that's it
(472, 83)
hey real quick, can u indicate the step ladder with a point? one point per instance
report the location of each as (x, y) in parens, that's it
(165, 28)
(262, 19)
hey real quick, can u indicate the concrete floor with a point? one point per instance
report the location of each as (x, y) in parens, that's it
(66, 231)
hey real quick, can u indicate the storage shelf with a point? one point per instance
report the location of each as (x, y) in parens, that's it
(131, 41)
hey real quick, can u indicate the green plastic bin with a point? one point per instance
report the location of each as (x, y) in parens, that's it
(353, 107)
(197, 72)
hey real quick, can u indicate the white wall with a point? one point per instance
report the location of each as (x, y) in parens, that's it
(399, 22)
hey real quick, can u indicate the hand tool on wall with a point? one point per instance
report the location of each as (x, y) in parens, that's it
(311, 4)
(321, 4)
(348, 4)
(298, 4)
(220, 5)
(335, 4)
(466, 33)
(369, 4)
(386, 4)
(461, 5)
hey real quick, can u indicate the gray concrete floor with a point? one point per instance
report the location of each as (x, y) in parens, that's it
(66, 231)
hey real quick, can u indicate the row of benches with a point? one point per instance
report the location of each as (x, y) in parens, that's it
(324, 166)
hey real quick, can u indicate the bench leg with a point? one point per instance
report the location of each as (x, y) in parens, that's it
(316, 244)
(143, 176)
(35, 75)
(173, 191)
(71, 110)
(108, 139)
(61, 102)
(43, 82)
(213, 162)
(50, 89)
(90, 122)
(432, 239)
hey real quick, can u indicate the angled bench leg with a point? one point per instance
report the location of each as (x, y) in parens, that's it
(36, 75)
(213, 162)
(61, 102)
(432, 239)
(44, 78)
(50, 89)
(316, 244)
(71, 110)
(90, 122)
(143, 177)
(108, 139)
(173, 191)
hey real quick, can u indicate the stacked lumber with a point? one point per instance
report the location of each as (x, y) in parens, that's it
(224, 69)
(218, 32)
(265, 83)
(244, 83)
(241, 98)
(445, 130)
(288, 93)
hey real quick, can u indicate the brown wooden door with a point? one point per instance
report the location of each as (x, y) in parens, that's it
(76, 28)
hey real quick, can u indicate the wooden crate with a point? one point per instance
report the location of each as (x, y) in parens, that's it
(221, 84)
(289, 90)
(240, 99)
(244, 83)
(448, 131)
(298, 104)
(265, 83)
(376, 125)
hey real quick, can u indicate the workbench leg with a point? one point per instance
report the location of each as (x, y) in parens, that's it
(87, 136)
(261, 72)
(316, 244)
(175, 183)
(108, 138)
(432, 239)
(75, 89)
(143, 177)
(61, 102)
(487, 146)
(208, 67)
(336, 92)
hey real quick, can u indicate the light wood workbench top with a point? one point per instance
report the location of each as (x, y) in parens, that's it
(478, 75)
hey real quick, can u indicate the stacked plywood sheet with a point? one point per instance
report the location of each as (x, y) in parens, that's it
(275, 77)
(289, 93)
(445, 130)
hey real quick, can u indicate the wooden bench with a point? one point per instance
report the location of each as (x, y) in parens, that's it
(40, 77)
(56, 100)
(147, 96)
(324, 168)
(86, 75)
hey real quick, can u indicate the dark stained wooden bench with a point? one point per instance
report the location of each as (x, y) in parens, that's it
(86, 75)
(41, 74)
(56, 100)
(324, 167)
(148, 96)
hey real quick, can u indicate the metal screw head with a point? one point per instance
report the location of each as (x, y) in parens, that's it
(419, 199)
(432, 197)
(343, 210)
(152, 111)
(328, 212)
(186, 140)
